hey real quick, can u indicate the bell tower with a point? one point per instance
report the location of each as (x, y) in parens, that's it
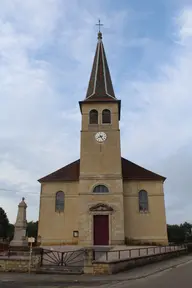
(100, 133)
(100, 150)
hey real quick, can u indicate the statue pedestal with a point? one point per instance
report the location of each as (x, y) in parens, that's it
(19, 251)
(19, 241)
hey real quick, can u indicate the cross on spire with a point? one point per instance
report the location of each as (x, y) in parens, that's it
(99, 34)
(99, 24)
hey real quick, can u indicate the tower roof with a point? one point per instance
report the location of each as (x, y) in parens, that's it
(100, 85)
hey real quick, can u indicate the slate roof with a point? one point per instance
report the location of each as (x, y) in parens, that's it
(100, 85)
(130, 171)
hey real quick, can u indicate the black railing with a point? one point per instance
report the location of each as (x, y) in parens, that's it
(59, 258)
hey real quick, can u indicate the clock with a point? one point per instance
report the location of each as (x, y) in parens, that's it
(100, 136)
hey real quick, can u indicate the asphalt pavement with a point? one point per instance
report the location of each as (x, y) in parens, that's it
(176, 277)
(174, 273)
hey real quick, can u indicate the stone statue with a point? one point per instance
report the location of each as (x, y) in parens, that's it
(19, 239)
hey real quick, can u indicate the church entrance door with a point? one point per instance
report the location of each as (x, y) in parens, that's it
(101, 229)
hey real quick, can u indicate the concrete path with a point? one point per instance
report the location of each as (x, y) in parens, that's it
(149, 276)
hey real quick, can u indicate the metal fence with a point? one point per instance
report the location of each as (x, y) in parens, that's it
(113, 255)
(59, 258)
(50, 257)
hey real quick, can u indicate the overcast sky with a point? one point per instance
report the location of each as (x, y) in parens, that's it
(46, 54)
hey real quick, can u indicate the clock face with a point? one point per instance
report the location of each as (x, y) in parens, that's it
(100, 136)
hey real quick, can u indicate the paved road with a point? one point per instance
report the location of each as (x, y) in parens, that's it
(178, 277)
(43, 285)
(174, 273)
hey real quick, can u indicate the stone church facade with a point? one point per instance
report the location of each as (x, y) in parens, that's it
(101, 198)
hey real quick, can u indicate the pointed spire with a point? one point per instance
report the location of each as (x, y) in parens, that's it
(100, 85)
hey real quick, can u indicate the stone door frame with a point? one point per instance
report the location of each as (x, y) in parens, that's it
(101, 209)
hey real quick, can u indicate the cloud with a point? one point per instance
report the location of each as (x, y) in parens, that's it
(158, 135)
(27, 95)
(185, 23)
(46, 52)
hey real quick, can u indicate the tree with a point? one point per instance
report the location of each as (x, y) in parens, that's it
(179, 233)
(32, 229)
(187, 227)
(4, 224)
(10, 232)
(176, 234)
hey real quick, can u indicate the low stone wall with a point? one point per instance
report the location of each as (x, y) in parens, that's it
(121, 265)
(14, 265)
(19, 264)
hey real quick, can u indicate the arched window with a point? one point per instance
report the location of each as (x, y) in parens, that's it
(100, 189)
(106, 116)
(93, 117)
(59, 201)
(143, 201)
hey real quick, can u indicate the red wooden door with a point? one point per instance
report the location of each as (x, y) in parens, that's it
(101, 229)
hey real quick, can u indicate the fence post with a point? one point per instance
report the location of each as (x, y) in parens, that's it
(9, 252)
(62, 257)
(94, 256)
(41, 261)
(106, 255)
(88, 261)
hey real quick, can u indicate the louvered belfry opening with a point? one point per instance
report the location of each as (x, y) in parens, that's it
(106, 116)
(93, 117)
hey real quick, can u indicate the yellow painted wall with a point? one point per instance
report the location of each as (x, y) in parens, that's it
(101, 164)
(57, 228)
(100, 158)
(87, 199)
(150, 226)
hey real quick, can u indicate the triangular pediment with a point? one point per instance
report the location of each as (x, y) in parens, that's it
(101, 207)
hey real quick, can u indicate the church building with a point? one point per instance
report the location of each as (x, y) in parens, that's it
(101, 198)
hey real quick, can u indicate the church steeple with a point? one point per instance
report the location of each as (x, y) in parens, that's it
(100, 88)
(100, 84)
